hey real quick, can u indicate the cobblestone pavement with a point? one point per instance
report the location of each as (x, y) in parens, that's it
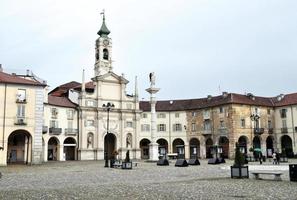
(90, 180)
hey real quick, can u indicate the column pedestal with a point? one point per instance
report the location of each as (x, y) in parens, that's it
(154, 152)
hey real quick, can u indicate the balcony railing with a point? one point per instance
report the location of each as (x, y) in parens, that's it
(55, 131)
(284, 130)
(206, 132)
(223, 131)
(258, 131)
(44, 129)
(71, 131)
(270, 130)
(19, 100)
(20, 121)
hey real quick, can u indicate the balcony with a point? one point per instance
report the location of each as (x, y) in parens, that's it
(44, 129)
(258, 131)
(222, 131)
(270, 130)
(71, 131)
(206, 132)
(284, 130)
(20, 100)
(55, 131)
(20, 121)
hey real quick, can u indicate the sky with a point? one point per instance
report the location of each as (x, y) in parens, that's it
(195, 47)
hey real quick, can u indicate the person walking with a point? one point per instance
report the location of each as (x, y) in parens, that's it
(277, 158)
(274, 158)
(260, 158)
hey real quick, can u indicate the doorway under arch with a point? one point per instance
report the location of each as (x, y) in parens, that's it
(194, 148)
(286, 144)
(224, 142)
(257, 142)
(242, 142)
(163, 146)
(176, 143)
(269, 146)
(19, 147)
(208, 146)
(144, 146)
(69, 148)
(53, 149)
(110, 144)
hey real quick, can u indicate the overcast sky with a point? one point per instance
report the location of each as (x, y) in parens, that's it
(195, 47)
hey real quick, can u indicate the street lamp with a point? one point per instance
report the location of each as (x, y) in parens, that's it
(108, 108)
(255, 118)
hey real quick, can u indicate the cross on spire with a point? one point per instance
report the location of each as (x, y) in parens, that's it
(103, 30)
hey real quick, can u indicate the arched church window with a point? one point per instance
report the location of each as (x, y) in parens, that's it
(97, 56)
(105, 54)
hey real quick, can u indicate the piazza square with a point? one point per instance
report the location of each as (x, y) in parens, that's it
(96, 138)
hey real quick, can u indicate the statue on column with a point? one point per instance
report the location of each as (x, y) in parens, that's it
(152, 78)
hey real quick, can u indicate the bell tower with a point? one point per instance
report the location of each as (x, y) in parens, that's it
(103, 50)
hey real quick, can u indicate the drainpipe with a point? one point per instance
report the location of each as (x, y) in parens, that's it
(169, 128)
(4, 115)
(293, 127)
(77, 141)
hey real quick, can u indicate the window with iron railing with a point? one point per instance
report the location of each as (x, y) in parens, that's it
(177, 127)
(283, 113)
(145, 127)
(161, 127)
(21, 96)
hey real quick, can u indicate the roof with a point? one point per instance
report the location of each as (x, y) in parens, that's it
(14, 79)
(285, 100)
(231, 98)
(60, 101)
(103, 30)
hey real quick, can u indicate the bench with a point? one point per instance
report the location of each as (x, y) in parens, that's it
(277, 175)
(172, 155)
(117, 164)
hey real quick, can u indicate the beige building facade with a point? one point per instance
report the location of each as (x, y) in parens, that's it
(21, 113)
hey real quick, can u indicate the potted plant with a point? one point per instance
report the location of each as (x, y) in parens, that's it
(238, 170)
(127, 164)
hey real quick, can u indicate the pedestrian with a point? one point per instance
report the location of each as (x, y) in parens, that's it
(260, 158)
(277, 158)
(274, 158)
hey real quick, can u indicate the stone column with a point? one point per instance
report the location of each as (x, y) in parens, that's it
(153, 146)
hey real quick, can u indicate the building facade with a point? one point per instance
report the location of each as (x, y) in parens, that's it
(21, 113)
(95, 119)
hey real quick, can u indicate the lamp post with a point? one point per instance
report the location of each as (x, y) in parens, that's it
(255, 118)
(108, 108)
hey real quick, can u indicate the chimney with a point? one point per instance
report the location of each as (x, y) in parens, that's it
(27, 72)
(1, 69)
(209, 97)
(225, 94)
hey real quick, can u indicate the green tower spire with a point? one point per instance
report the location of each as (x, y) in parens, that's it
(103, 32)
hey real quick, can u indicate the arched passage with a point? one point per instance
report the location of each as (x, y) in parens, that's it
(52, 149)
(176, 143)
(178, 146)
(109, 144)
(208, 145)
(287, 148)
(224, 142)
(256, 142)
(269, 146)
(194, 148)
(257, 147)
(242, 142)
(163, 146)
(144, 146)
(19, 147)
(69, 148)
